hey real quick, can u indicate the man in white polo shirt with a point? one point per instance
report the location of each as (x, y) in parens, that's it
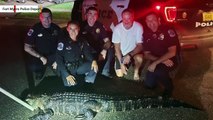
(127, 39)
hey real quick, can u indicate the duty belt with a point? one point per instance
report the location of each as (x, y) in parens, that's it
(73, 65)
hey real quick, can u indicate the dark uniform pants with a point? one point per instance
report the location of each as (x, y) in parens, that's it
(108, 61)
(35, 65)
(160, 75)
(105, 65)
(84, 68)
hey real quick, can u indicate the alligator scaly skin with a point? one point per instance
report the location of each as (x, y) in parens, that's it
(86, 105)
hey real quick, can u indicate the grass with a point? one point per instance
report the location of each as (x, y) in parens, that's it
(2, 1)
(56, 15)
(64, 6)
(60, 11)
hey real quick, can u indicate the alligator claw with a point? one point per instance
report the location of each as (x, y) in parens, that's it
(80, 117)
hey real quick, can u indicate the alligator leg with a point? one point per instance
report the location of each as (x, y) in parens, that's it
(42, 115)
(88, 114)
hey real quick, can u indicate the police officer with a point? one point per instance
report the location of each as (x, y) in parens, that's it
(74, 57)
(98, 39)
(161, 46)
(41, 44)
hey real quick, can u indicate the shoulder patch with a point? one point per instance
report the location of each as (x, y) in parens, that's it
(30, 32)
(60, 46)
(171, 33)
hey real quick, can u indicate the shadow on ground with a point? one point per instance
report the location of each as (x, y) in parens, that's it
(103, 85)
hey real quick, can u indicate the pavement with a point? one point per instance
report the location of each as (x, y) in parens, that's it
(14, 80)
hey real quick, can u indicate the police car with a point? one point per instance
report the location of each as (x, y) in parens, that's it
(193, 19)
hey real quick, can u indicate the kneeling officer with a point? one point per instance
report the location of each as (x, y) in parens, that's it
(74, 57)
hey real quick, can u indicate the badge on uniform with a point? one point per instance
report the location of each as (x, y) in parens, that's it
(148, 40)
(68, 48)
(97, 30)
(30, 32)
(40, 35)
(154, 36)
(161, 36)
(60, 46)
(171, 33)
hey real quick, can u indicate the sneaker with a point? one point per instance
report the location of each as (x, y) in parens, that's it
(89, 81)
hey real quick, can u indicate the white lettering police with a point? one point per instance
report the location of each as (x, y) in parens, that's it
(203, 24)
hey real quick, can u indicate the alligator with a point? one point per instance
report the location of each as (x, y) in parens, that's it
(86, 105)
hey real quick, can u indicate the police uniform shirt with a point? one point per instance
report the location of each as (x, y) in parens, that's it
(69, 51)
(44, 40)
(158, 42)
(95, 34)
